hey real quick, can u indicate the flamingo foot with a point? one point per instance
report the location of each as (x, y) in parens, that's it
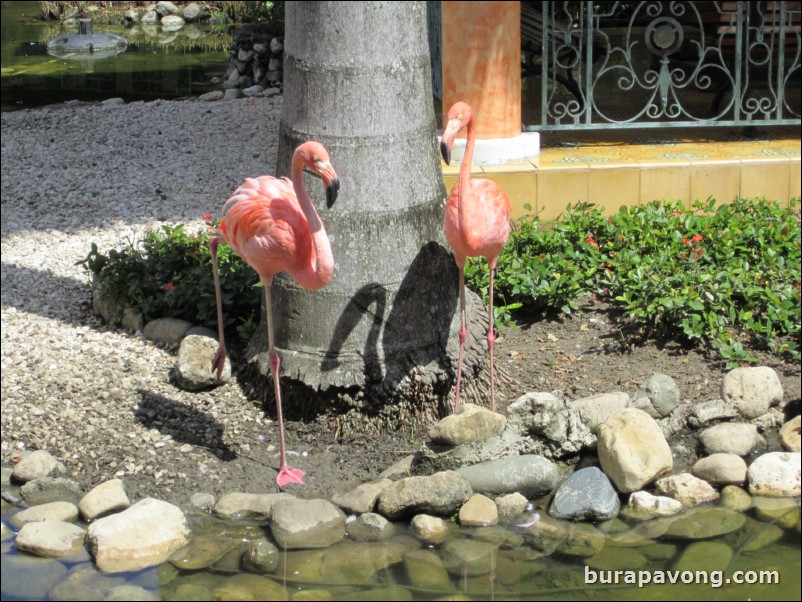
(219, 360)
(290, 475)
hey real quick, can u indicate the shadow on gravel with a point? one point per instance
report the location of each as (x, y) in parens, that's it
(183, 423)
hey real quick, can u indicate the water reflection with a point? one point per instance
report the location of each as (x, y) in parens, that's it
(156, 64)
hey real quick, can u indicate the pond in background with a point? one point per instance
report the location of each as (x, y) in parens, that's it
(156, 64)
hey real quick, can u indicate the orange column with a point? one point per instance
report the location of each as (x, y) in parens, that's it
(481, 62)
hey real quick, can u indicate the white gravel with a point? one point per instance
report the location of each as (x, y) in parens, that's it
(98, 398)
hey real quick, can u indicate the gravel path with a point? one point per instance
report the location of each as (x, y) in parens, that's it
(98, 398)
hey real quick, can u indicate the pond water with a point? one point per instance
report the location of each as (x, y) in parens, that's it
(490, 563)
(156, 63)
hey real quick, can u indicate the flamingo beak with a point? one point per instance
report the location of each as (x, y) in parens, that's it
(331, 192)
(331, 181)
(452, 127)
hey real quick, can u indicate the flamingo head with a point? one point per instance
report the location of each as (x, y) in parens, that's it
(316, 159)
(458, 117)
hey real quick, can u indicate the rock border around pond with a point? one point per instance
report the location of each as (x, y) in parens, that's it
(525, 495)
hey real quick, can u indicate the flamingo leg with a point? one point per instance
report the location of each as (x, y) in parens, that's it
(285, 473)
(220, 355)
(491, 339)
(463, 331)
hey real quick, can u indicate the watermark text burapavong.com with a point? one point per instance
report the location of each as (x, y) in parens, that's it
(642, 578)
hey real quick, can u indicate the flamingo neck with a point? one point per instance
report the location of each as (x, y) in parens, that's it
(319, 271)
(467, 157)
(465, 170)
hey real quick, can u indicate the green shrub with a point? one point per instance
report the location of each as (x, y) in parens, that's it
(727, 276)
(169, 273)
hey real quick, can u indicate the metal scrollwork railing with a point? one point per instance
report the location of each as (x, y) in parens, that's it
(606, 65)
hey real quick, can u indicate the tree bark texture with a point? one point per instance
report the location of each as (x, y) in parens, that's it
(378, 345)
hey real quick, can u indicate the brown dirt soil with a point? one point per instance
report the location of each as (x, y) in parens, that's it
(581, 355)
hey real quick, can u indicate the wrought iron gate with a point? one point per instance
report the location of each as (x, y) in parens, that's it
(654, 64)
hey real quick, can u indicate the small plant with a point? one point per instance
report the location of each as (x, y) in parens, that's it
(169, 274)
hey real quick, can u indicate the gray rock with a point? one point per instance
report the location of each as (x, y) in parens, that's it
(425, 570)
(478, 511)
(211, 96)
(260, 48)
(783, 511)
(232, 94)
(249, 505)
(39, 463)
(704, 413)
(430, 529)
(261, 556)
(51, 489)
(104, 499)
(370, 527)
(61, 511)
(737, 438)
(361, 499)
(721, 469)
(202, 501)
(791, 434)
(167, 330)
(298, 523)
(132, 319)
(735, 498)
(172, 23)
(469, 558)
(595, 410)
(471, 425)
(510, 506)
(754, 535)
(544, 415)
(131, 16)
(256, 587)
(776, 474)
(752, 390)
(686, 489)
(164, 8)
(193, 365)
(399, 470)
(658, 396)
(654, 505)
(269, 92)
(528, 474)
(704, 522)
(441, 493)
(51, 539)
(150, 17)
(585, 495)
(704, 556)
(192, 12)
(632, 450)
(202, 552)
(276, 46)
(144, 535)
(253, 91)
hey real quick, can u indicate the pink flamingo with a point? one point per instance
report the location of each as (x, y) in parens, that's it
(477, 224)
(272, 224)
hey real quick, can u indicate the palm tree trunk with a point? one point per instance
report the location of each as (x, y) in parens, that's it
(377, 347)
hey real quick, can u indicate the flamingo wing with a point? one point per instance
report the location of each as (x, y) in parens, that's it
(485, 225)
(264, 224)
